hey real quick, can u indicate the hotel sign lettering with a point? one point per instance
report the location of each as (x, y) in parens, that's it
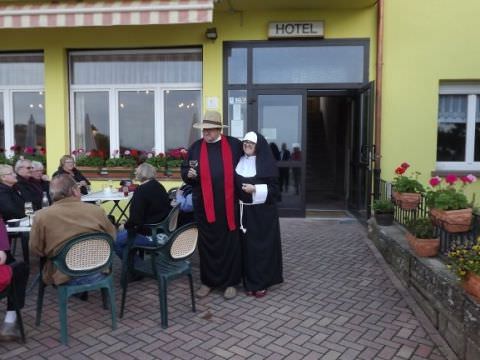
(295, 29)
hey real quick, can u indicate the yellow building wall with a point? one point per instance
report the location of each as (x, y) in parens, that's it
(424, 42)
(230, 27)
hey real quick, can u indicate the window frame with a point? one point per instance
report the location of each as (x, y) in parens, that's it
(7, 93)
(113, 95)
(472, 92)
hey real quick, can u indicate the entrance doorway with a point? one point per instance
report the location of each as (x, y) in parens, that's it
(329, 120)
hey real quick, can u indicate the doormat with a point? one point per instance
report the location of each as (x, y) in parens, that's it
(328, 214)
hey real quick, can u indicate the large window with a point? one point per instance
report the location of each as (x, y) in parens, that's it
(458, 135)
(144, 100)
(22, 113)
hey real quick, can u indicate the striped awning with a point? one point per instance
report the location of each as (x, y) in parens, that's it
(107, 13)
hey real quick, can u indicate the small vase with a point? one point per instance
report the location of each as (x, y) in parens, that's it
(471, 284)
(407, 201)
(423, 247)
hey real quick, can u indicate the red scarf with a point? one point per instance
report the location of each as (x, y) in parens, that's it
(206, 183)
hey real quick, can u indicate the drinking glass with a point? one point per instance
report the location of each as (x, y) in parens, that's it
(29, 211)
(193, 164)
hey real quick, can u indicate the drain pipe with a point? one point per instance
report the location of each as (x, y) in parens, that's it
(378, 100)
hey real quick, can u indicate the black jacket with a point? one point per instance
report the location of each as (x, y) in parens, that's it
(150, 204)
(77, 175)
(12, 204)
(30, 192)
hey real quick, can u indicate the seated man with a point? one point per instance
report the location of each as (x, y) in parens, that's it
(23, 169)
(66, 218)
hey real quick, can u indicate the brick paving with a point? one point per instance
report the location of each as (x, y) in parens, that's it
(337, 302)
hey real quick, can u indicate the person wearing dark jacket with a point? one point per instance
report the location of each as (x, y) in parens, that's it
(29, 191)
(12, 203)
(39, 180)
(257, 185)
(150, 205)
(67, 166)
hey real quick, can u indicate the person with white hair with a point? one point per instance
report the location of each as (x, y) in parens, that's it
(23, 168)
(12, 204)
(257, 184)
(150, 204)
(39, 180)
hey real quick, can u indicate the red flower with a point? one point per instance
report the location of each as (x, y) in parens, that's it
(399, 170)
(451, 179)
(134, 152)
(405, 165)
(435, 181)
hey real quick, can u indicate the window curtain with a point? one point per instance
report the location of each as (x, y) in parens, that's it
(453, 109)
(137, 68)
(21, 69)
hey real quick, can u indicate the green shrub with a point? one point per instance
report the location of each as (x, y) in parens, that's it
(383, 206)
(422, 228)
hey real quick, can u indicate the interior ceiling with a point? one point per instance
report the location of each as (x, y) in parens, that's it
(242, 5)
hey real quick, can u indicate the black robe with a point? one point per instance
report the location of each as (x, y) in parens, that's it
(219, 248)
(261, 244)
(262, 248)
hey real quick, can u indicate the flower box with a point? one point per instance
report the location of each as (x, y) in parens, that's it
(407, 201)
(89, 171)
(453, 221)
(423, 247)
(471, 284)
(124, 172)
(174, 172)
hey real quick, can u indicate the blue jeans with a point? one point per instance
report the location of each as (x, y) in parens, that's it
(89, 279)
(121, 242)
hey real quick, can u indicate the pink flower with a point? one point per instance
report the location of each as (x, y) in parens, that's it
(471, 178)
(81, 151)
(434, 181)
(115, 152)
(88, 153)
(451, 179)
(405, 165)
(74, 152)
(126, 152)
(149, 155)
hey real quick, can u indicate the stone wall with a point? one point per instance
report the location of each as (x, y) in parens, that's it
(454, 313)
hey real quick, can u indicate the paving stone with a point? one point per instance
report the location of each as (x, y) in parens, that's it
(336, 303)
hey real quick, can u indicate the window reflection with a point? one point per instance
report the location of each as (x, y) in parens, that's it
(452, 127)
(182, 109)
(29, 119)
(92, 121)
(237, 66)
(136, 120)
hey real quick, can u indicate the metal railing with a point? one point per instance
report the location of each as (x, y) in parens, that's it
(447, 239)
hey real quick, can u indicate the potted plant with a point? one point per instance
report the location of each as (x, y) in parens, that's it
(175, 158)
(383, 210)
(464, 261)
(449, 206)
(407, 191)
(421, 237)
(121, 164)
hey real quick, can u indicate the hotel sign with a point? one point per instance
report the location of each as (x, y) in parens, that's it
(295, 29)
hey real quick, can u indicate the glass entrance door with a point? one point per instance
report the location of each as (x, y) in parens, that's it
(279, 116)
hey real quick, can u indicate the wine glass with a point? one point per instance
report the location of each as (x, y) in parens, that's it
(193, 164)
(29, 211)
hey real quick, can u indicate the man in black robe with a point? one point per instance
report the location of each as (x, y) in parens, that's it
(210, 171)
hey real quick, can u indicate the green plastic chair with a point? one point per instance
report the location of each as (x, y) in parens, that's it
(9, 293)
(165, 264)
(82, 255)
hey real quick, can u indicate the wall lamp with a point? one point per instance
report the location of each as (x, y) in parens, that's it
(211, 34)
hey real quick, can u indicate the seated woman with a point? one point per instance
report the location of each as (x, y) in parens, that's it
(67, 166)
(12, 203)
(150, 204)
(10, 329)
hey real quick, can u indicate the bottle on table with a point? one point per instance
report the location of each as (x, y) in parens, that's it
(45, 202)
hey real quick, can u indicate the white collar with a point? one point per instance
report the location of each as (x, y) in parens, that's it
(246, 167)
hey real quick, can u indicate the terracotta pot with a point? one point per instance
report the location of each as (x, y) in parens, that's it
(471, 284)
(423, 247)
(384, 219)
(407, 201)
(454, 221)
(435, 216)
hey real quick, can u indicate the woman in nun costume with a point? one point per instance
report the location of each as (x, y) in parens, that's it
(256, 179)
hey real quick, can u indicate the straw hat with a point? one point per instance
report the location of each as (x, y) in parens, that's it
(211, 120)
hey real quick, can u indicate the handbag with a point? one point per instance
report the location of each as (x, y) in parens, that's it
(5, 276)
